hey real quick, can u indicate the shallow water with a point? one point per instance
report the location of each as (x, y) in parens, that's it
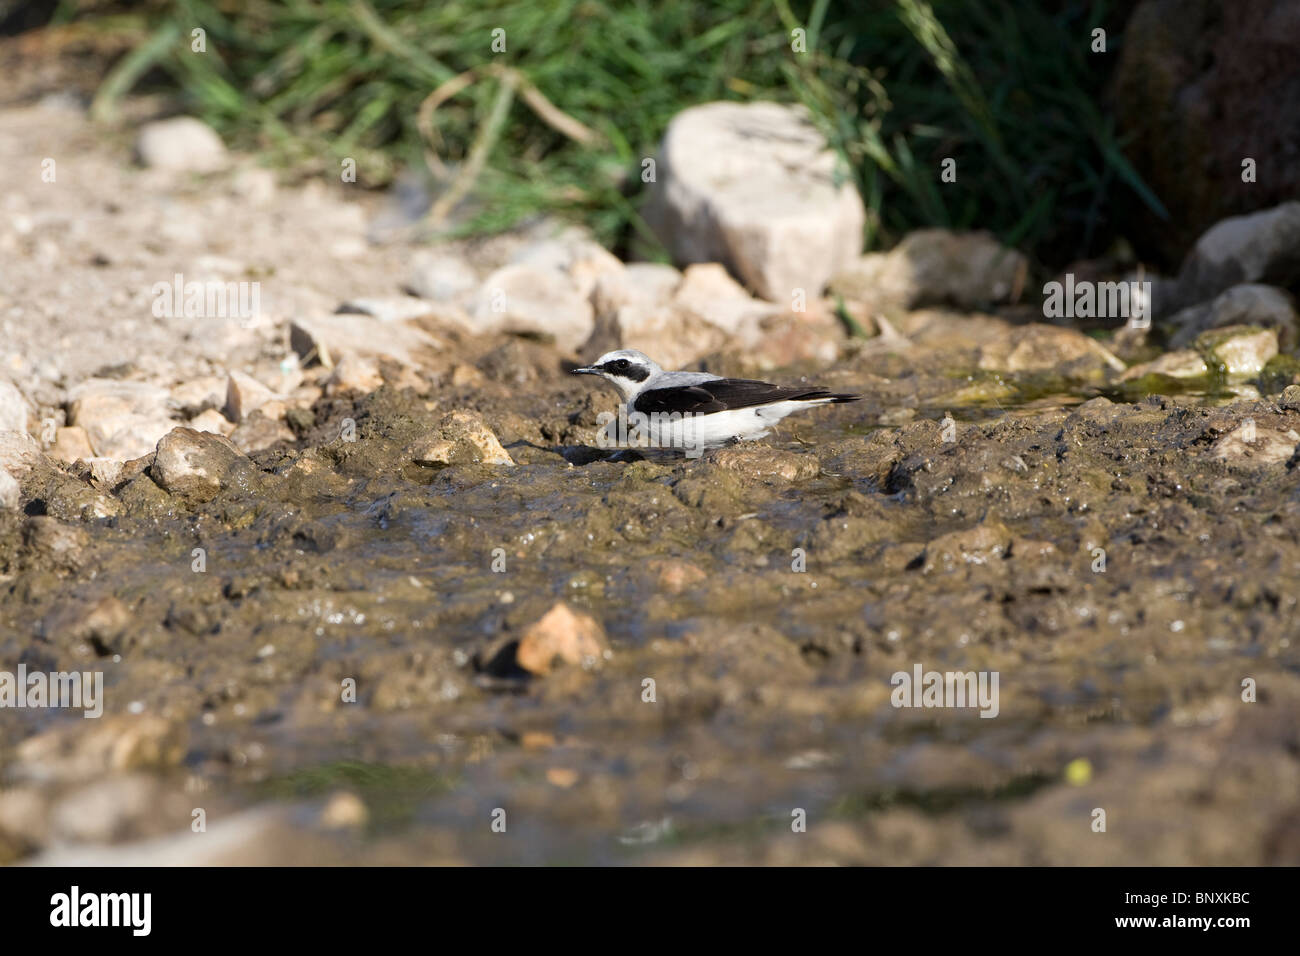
(772, 685)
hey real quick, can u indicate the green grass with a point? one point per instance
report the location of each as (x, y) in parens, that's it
(1007, 88)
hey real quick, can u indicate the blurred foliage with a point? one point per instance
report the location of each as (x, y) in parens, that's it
(1007, 88)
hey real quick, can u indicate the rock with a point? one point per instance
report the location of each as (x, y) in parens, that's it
(10, 492)
(673, 576)
(462, 437)
(1182, 364)
(245, 395)
(986, 543)
(533, 300)
(71, 443)
(1197, 94)
(968, 270)
(354, 373)
(1290, 398)
(200, 394)
(1257, 446)
(260, 432)
(74, 753)
(440, 277)
(19, 453)
(707, 311)
(53, 542)
(783, 340)
(1246, 304)
(574, 253)
(393, 309)
(646, 284)
(212, 421)
(562, 636)
(327, 338)
(194, 464)
(182, 144)
(1260, 248)
(106, 471)
(709, 294)
(1052, 350)
(755, 187)
(97, 624)
(254, 185)
(1243, 350)
(787, 466)
(123, 420)
(14, 410)
(105, 810)
(344, 811)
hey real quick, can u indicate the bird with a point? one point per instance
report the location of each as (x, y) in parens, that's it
(698, 411)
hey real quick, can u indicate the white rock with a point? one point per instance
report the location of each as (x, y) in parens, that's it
(245, 395)
(183, 144)
(639, 283)
(1258, 446)
(440, 277)
(1243, 350)
(355, 373)
(709, 294)
(14, 409)
(1245, 304)
(19, 453)
(123, 420)
(10, 492)
(212, 421)
(755, 187)
(1260, 247)
(535, 300)
(934, 267)
(327, 338)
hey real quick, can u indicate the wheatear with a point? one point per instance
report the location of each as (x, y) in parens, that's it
(696, 411)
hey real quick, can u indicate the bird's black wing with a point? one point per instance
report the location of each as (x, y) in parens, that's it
(724, 394)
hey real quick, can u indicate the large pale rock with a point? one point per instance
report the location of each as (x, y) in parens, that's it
(1241, 350)
(181, 144)
(19, 453)
(440, 277)
(195, 464)
(327, 338)
(1049, 349)
(10, 492)
(936, 267)
(1263, 247)
(461, 437)
(245, 395)
(123, 420)
(1249, 444)
(1246, 304)
(14, 409)
(754, 186)
(536, 300)
(1179, 364)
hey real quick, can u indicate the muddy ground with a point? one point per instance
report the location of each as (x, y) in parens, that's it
(1100, 550)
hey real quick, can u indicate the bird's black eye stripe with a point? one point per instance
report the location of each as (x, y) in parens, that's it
(625, 369)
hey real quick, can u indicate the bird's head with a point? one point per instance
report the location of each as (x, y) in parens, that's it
(626, 369)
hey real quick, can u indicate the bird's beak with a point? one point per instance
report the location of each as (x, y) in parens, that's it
(585, 370)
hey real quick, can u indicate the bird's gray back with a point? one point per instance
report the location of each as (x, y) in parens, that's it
(679, 380)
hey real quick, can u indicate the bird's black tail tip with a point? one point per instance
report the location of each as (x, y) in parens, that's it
(837, 397)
